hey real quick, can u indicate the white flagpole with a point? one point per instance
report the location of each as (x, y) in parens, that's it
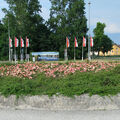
(14, 47)
(82, 52)
(66, 52)
(20, 49)
(16, 41)
(74, 51)
(89, 48)
(26, 48)
(15, 53)
(66, 49)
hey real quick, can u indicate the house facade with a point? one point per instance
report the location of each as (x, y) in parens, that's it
(115, 51)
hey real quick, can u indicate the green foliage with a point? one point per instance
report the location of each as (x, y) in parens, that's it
(101, 41)
(107, 44)
(6, 64)
(67, 19)
(101, 83)
(3, 42)
(24, 20)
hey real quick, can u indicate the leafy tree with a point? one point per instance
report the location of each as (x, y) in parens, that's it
(3, 42)
(107, 44)
(101, 41)
(25, 20)
(67, 18)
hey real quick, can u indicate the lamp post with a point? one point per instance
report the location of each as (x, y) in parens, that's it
(89, 49)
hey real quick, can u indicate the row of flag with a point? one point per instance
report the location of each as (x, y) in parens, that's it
(76, 44)
(16, 43)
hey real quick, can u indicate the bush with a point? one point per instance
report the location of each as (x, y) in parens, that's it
(101, 83)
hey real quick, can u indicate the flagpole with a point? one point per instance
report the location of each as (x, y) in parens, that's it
(15, 53)
(66, 53)
(14, 48)
(66, 50)
(74, 52)
(89, 58)
(26, 53)
(26, 49)
(92, 52)
(75, 45)
(20, 49)
(82, 52)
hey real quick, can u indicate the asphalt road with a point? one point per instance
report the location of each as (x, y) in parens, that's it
(6, 114)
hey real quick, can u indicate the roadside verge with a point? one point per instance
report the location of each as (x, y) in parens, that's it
(83, 102)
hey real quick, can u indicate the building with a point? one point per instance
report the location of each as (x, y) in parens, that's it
(115, 51)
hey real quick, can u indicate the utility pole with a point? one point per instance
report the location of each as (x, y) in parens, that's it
(89, 49)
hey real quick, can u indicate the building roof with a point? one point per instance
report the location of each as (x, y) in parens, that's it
(117, 45)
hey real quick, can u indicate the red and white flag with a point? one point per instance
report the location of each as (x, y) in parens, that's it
(10, 42)
(91, 42)
(27, 42)
(84, 42)
(22, 42)
(16, 42)
(76, 44)
(67, 42)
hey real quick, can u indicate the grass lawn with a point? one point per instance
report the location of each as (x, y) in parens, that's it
(104, 82)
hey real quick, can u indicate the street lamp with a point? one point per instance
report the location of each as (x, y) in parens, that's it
(89, 49)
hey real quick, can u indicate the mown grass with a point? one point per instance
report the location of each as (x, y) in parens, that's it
(102, 83)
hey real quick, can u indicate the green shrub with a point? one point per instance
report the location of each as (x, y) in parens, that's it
(101, 83)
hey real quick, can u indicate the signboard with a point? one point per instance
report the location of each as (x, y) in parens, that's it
(46, 56)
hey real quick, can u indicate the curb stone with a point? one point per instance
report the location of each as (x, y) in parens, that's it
(83, 102)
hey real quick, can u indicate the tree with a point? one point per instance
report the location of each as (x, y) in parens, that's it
(101, 41)
(57, 24)
(67, 18)
(25, 20)
(3, 42)
(107, 44)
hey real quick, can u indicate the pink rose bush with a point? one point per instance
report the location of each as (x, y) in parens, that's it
(27, 70)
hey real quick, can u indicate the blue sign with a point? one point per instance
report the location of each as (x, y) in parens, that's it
(47, 56)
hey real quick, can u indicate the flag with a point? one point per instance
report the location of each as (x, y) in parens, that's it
(91, 41)
(84, 42)
(22, 42)
(16, 42)
(67, 42)
(27, 42)
(76, 44)
(10, 42)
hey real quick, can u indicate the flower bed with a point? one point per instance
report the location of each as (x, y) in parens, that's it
(27, 70)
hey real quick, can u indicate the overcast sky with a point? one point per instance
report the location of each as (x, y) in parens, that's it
(106, 11)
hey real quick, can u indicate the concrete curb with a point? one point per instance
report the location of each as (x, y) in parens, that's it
(83, 102)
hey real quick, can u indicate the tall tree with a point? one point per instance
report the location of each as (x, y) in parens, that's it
(25, 20)
(3, 42)
(67, 18)
(102, 42)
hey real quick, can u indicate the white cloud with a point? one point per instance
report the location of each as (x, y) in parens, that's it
(111, 27)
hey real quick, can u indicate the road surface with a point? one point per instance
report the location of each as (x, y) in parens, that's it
(7, 114)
